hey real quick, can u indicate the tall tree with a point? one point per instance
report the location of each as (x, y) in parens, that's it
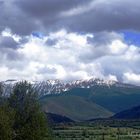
(1, 89)
(1, 93)
(30, 121)
(6, 119)
(6, 123)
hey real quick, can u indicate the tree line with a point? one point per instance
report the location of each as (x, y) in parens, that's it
(21, 117)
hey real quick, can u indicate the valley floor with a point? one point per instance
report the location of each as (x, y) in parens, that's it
(98, 130)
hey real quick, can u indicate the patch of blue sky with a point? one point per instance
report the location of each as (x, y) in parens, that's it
(37, 34)
(132, 37)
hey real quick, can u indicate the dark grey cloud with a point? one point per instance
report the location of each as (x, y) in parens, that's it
(8, 42)
(13, 18)
(47, 70)
(107, 16)
(25, 16)
(13, 55)
(8, 48)
(104, 38)
(46, 8)
(39, 15)
(1, 3)
(51, 42)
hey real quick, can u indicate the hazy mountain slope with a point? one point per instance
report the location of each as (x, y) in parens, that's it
(74, 107)
(55, 118)
(112, 98)
(133, 113)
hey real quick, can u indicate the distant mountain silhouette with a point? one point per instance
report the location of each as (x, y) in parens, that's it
(55, 118)
(133, 113)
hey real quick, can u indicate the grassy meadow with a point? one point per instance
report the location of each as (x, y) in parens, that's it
(98, 130)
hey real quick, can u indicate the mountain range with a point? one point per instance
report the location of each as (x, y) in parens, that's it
(83, 99)
(56, 86)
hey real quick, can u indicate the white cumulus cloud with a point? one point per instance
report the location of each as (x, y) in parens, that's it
(70, 56)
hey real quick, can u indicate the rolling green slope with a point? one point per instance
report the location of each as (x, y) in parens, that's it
(96, 102)
(75, 107)
(132, 113)
(114, 99)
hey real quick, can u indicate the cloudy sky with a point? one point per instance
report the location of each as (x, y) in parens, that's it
(70, 39)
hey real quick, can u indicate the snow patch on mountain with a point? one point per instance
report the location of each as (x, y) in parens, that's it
(56, 86)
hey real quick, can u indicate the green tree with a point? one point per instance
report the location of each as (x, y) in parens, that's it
(6, 119)
(30, 123)
(1, 89)
(1, 93)
(6, 123)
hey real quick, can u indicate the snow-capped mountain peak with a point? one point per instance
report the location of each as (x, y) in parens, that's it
(57, 86)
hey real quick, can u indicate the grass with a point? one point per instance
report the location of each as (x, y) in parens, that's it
(95, 131)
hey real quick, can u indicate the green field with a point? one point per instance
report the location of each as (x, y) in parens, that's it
(96, 131)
